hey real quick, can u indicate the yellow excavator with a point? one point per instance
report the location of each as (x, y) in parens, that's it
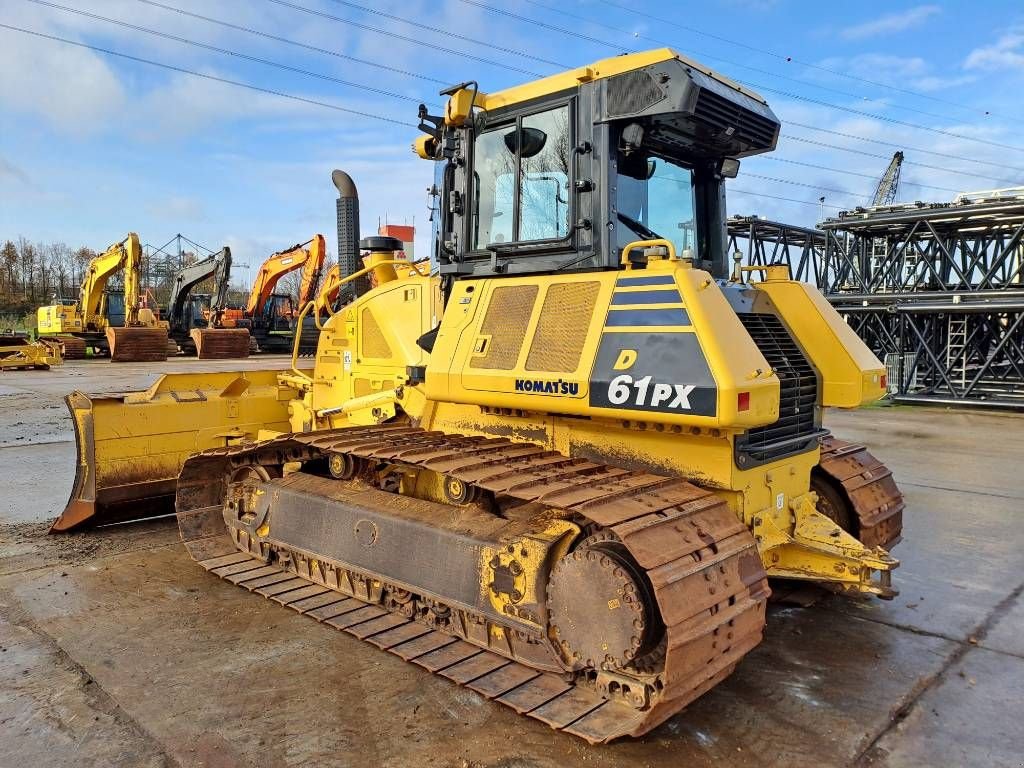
(111, 322)
(561, 470)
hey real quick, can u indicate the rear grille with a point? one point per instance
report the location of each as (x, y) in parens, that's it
(720, 114)
(798, 393)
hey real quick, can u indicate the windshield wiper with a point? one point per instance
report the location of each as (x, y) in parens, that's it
(639, 228)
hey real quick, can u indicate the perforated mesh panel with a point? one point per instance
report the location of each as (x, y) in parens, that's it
(507, 316)
(562, 329)
(374, 343)
(632, 92)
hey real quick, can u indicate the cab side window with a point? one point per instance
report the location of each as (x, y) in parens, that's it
(522, 178)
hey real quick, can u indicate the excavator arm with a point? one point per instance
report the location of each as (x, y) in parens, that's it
(218, 266)
(312, 269)
(98, 274)
(286, 262)
(143, 338)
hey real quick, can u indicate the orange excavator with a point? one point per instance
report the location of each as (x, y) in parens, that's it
(270, 316)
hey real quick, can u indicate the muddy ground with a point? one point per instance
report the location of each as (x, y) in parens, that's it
(116, 650)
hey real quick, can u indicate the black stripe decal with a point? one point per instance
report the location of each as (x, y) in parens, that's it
(626, 317)
(646, 280)
(647, 297)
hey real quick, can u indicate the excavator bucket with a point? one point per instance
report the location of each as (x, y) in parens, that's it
(132, 446)
(221, 343)
(137, 344)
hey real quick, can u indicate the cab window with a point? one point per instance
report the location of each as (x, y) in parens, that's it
(521, 180)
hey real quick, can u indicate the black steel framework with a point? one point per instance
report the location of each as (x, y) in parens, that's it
(937, 290)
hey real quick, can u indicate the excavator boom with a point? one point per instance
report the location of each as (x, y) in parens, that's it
(283, 263)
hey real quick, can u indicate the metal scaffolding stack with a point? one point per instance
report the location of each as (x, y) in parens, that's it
(935, 289)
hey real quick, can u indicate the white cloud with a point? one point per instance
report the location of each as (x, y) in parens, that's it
(1006, 53)
(904, 71)
(179, 208)
(891, 22)
(75, 90)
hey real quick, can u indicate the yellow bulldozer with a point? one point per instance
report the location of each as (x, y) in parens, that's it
(113, 323)
(560, 467)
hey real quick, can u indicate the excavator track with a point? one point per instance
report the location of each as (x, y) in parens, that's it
(869, 489)
(699, 560)
(72, 347)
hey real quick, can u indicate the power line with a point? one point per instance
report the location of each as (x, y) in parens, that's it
(790, 59)
(282, 94)
(296, 43)
(861, 152)
(873, 177)
(815, 203)
(880, 142)
(205, 76)
(435, 80)
(447, 32)
(229, 52)
(396, 36)
(809, 99)
(344, 82)
(803, 184)
(731, 62)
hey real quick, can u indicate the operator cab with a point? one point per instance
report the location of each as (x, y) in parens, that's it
(564, 173)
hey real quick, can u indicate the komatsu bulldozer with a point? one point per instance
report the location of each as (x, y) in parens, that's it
(111, 322)
(560, 468)
(194, 319)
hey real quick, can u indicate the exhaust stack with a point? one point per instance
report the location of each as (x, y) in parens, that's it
(347, 206)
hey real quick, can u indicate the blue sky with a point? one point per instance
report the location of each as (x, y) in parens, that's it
(92, 145)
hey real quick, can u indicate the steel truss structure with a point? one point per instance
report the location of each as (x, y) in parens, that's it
(937, 290)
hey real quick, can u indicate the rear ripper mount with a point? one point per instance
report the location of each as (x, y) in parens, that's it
(654, 573)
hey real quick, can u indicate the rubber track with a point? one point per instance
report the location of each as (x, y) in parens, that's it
(709, 583)
(871, 489)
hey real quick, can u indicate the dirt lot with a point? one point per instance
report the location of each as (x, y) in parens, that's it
(117, 650)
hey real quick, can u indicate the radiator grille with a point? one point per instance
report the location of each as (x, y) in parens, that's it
(374, 343)
(507, 318)
(720, 114)
(632, 92)
(562, 328)
(798, 391)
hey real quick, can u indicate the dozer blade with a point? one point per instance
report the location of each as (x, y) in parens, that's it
(221, 343)
(132, 446)
(137, 345)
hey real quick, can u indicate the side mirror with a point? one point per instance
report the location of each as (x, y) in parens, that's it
(527, 141)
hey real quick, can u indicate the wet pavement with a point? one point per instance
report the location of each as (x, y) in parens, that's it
(115, 649)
